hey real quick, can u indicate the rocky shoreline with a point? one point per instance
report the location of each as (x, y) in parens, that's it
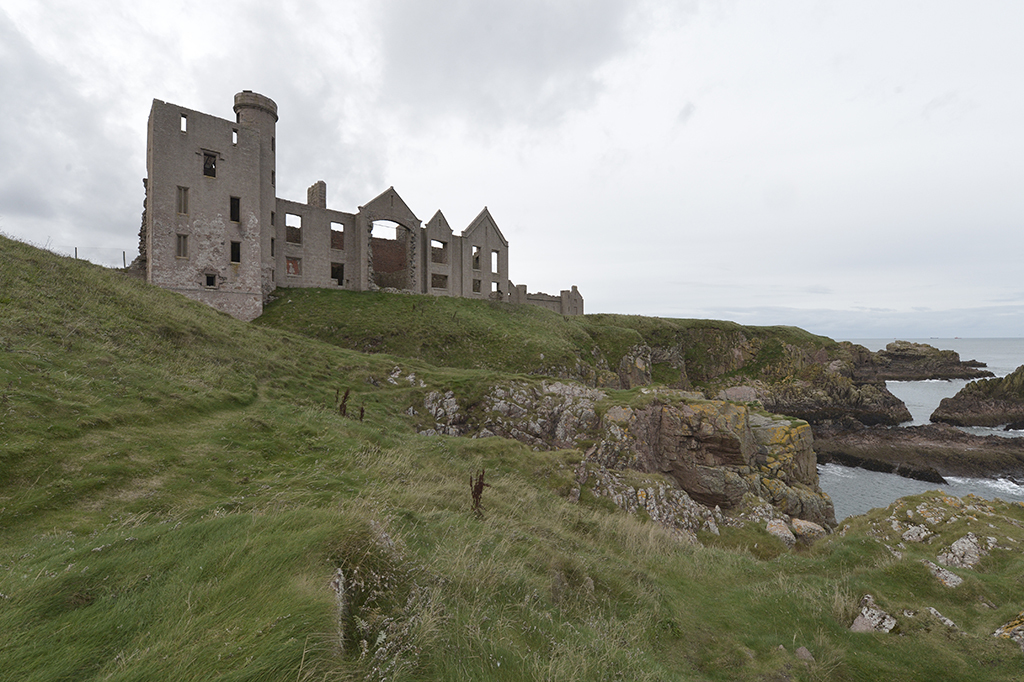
(927, 453)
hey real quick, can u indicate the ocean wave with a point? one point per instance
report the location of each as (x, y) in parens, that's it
(1004, 486)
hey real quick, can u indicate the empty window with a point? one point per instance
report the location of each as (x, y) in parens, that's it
(337, 236)
(494, 287)
(476, 286)
(234, 136)
(209, 165)
(236, 252)
(292, 229)
(438, 281)
(273, 218)
(211, 280)
(273, 177)
(271, 247)
(294, 267)
(476, 260)
(273, 145)
(272, 276)
(494, 261)
(236, 209)
(438, 251)
(183, 200)
(184, 123)
(181, 249)
(338, 273)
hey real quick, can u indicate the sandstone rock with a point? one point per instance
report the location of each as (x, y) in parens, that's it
(964, 553)
(807, 531)
(740, 394)
(988, 402)
(906, 361)
(872, 618)
(779, 529)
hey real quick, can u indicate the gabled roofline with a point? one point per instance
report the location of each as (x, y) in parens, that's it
(479, 220)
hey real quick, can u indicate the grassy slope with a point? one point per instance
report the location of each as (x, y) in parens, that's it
(177, 490)
(454, 332)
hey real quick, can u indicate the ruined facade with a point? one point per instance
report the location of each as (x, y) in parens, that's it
(216, 231)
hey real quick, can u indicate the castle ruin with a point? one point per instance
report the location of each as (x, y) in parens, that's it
(215, 230)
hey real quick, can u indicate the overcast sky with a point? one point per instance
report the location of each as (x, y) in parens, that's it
(853, 168)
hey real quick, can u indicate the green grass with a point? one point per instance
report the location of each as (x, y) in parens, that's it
(178, 489)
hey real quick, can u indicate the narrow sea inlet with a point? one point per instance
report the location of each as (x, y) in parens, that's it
(855, 491)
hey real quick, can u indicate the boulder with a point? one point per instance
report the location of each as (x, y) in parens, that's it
(808, 531)
(779, 529)
(871, 618)
(964, 553)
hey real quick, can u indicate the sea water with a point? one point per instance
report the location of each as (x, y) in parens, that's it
(855, 491)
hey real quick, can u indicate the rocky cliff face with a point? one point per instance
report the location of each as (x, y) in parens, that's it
(988, 402)
(720, 453)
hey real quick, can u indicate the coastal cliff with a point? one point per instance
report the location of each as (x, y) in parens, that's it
(719, 452)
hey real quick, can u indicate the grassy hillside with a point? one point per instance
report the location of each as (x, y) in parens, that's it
(179, 489)
(454, 332)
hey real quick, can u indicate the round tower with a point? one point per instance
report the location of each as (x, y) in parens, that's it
(253, 109)
(259, 113)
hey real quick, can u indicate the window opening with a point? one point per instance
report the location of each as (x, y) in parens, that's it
(293, 267)
(273, 177)
(181, 250)
(273, 217)
(271, 247)
(384, 229)
(389, 254)
(183, 200)
(338, 273)
(438, 251)
(476, 257)
(236, 252)
(476, 286)
(292, 229)
(494, 287)
(236, 209)
(273, 145)
(184, 123)
(272, 276)
(209, 165)
(234, 136)
(211, 280)
(494, 261)
(338, 236)
(438, 281)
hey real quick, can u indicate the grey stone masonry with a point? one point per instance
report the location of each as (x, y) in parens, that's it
(216, 231)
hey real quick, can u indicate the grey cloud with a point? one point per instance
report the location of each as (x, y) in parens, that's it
(525, 61)
(62, 166)
(686, 113)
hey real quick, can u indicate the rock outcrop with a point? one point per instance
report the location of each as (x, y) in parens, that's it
(906, 361)
(719, 452)
(871, 618)
(987, 402)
